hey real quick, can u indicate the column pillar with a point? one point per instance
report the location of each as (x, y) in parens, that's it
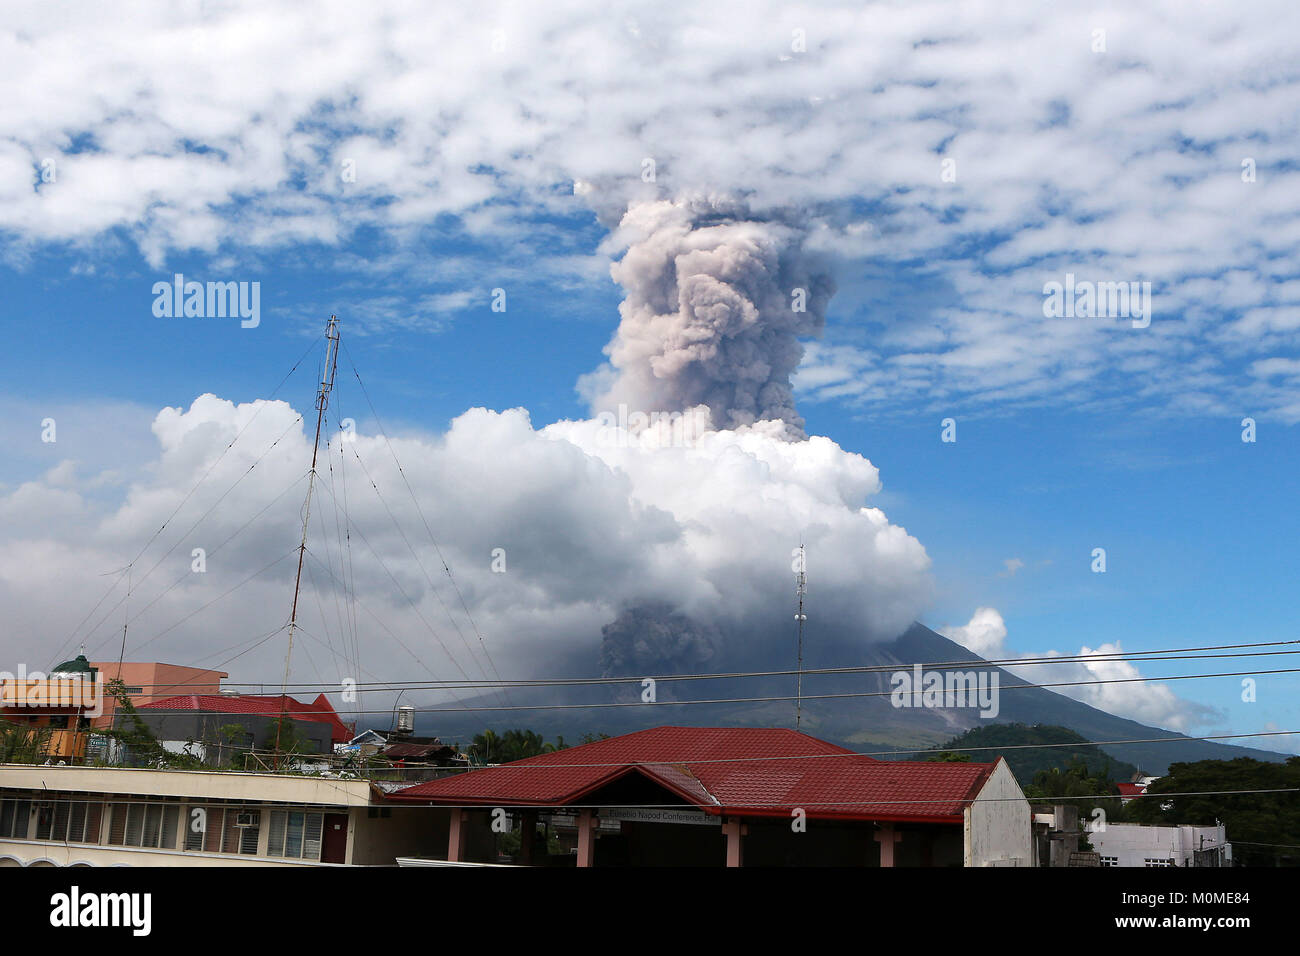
(527, 837)
(734, 830)
(587, 823)
(456, 835)
(887, 836)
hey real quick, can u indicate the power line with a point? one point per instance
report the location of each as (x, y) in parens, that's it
(446, 568)
(184, 500)
(826, 671)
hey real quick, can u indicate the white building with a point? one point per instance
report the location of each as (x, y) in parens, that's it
(115, 816)
(1135, 844)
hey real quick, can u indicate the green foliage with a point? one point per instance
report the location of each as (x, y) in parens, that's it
(949, 756)
(1029, 757)
(1250, 818)
(136, 736)
(23, 744)
(490, 747)
(286, 739)
(1077, 781)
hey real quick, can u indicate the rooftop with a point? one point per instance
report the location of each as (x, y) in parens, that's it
(267, 706)
(715, 768)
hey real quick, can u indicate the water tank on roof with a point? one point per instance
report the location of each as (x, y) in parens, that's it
(406, 719)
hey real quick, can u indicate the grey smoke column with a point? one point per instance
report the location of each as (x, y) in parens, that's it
(652, 635)
(710, 317)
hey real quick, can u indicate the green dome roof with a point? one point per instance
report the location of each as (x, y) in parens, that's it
(79, 665)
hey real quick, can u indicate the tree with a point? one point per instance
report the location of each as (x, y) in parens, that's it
(516, 744)
(136, 736)
(19, 744)
(1262, 827)
(486, 747)
(286, 738)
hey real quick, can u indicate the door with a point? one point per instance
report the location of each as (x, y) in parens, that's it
(334, 848)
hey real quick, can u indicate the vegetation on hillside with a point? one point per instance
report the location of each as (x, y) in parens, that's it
(1024, 748)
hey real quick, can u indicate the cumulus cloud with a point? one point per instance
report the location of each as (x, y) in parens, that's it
(983, 634)
(1127, 694)
(596, 533)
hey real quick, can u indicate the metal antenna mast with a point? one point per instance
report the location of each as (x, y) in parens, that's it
(800, 588)
(322, 400)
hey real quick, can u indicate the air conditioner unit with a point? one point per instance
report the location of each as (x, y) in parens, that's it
(246, 819)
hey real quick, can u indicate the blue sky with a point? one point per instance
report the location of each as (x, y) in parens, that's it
(1114, 165)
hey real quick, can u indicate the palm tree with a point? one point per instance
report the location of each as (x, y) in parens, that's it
(486, 746)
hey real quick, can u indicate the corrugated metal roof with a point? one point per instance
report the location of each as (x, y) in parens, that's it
(707, 766)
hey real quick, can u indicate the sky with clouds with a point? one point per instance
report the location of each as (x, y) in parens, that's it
(936, 165)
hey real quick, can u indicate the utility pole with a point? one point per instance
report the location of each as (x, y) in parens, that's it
(322, 400)
(801, 588)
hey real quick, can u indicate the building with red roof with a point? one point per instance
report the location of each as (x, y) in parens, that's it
(699, 795)
(205, 724)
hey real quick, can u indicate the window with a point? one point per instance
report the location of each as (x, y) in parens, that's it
(14, 815)
(69, 819)
(1152, 861)
(219, 830)
(296, 834)
(1110, 861)
(144, 825)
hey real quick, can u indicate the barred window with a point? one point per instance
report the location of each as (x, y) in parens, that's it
(219, 830)
(144, 825)
(14, 815)
(68, 818)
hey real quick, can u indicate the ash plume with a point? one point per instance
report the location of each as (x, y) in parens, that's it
(717, 298)
(653, 635)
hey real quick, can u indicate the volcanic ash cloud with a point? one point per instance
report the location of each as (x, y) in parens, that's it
(717, 299)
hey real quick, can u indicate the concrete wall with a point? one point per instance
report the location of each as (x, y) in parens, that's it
(410, 830)
(1132, 844)
(196, 784)
(998, 824)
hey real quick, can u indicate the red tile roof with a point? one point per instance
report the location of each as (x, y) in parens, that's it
(708, 767)
(267, 706)
(1131, 789)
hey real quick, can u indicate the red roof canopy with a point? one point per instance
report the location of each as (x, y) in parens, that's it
(265, 706)
(713, 768)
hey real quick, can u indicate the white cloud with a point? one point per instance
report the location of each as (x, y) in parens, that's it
(588, 525)
(166, 124)
(984, 634)
(1125, 693)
